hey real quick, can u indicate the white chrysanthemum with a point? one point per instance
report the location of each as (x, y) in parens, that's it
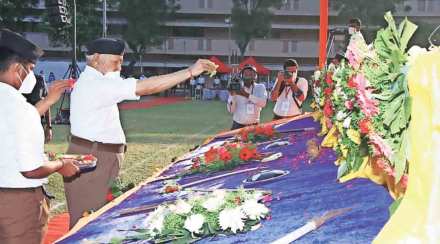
(414, 52)
(181, 207)
(213, 204)
(219, 193)
(254, 210)
(317, 74)
(231, 218)
(341, 115)
(347, 123)
(194, 223)
(154, 221)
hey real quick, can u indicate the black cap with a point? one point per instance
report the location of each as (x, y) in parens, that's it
(19, 45)
(106, 46)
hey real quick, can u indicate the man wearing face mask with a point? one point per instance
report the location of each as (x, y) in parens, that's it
(289, 92)
(95, 125)
(23, 165)
(246, 104)
(356, 37)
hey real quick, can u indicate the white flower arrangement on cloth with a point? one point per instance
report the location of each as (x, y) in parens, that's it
(208, 214)
(232, 218)
(194, 223)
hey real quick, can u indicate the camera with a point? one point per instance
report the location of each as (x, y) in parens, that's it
(234, 85)
(287, 74)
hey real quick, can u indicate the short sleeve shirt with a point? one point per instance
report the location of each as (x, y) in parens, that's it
(94, 112)
(22, 147)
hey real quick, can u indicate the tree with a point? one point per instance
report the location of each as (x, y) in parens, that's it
(145, 24)
(251, 19)
(12, 13)
(370, 12)
(88, 25)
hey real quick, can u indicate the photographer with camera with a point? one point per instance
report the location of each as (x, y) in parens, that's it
(246, 99)
(289, 92)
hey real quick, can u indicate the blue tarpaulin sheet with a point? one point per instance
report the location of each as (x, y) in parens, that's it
(308, 191)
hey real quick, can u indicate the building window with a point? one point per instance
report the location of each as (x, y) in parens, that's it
(170, 43)
(293, 46)
(252, 46)
(430, 6)
(421, 5)
(200, 44)
(208, 45)
(295, 4)
(285, 46)
(206, 3)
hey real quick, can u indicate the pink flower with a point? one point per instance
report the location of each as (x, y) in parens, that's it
(380, 145)
(383, 164)
(404, 181)
(367, 104)
(349, 104)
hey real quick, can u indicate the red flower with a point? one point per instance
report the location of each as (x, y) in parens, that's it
(196, 164)
(88, 157)
(171, 189)
(268, 130)
(328, 91)
(109, 196)
(349, 104)
(259, 130)
(351, 83)
(225, 156)
(237, 200)
(244, 135)
(364, 126)
(328, 79)
(246, 154)
(211, 155)
(328, 109)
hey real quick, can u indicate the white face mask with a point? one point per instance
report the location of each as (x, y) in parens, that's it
(28, 84)
(114, 74)
(351, 30)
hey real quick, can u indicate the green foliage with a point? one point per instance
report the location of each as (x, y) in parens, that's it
(12, 13)
(251, 19)
(394, 206)
(145, 23)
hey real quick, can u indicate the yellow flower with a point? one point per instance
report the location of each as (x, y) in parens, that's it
(354, 135)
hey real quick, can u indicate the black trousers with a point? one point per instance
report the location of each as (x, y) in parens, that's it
(236, 125)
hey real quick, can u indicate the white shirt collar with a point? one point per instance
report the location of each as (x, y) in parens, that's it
(93, 71)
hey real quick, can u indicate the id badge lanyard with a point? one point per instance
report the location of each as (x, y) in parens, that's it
(250, 107)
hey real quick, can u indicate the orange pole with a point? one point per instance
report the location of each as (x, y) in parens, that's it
(323, 30)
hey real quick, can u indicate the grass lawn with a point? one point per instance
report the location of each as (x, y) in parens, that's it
(154, 137)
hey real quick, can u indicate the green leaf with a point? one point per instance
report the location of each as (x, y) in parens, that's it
(408, 31)
(342, 169)
(393, 207)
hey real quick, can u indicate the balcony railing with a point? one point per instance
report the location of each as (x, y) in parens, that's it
(259, 47)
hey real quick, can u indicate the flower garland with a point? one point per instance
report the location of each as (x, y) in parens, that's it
(254, 134)
(366, 105)
(228, 156)
(213, 213)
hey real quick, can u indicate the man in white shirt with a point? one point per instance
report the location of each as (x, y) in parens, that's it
(23, 165)
(356, 38)
(246, 104)
(94, 117)
(289, 91)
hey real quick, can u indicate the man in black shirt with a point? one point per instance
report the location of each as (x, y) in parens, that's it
(38, 93)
